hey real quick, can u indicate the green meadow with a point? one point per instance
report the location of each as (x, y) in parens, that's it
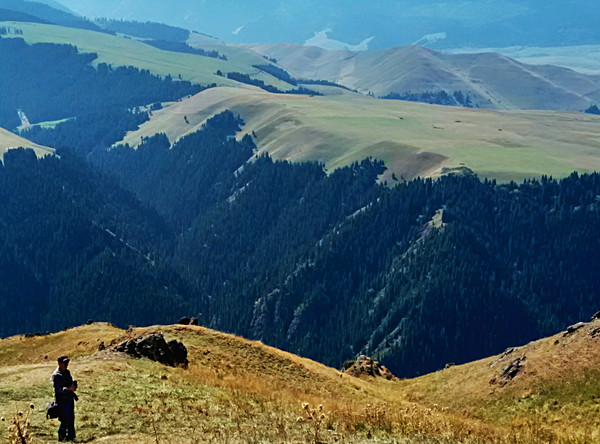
(124, 51)
(413, 139)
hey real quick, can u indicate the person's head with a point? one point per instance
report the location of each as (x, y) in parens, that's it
(63, 362)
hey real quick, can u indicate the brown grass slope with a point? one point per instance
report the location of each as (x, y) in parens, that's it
(413, 139)
(493, 80)
(239, 391)
(10, 140)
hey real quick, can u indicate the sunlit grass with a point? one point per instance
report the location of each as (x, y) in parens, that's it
(239, 391)
(413, 139)
(121, 51)
(10, 140)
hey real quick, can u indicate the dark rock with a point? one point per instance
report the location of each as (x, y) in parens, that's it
(512, 370)
(507, 352)
(90, 321)
(184, 321)
(131, 348)
(594, 333)
(596, 316)
(348, 364)
(194, 321)
(449, 365)
(155, 347)
(573, 328)
(179, 352)
(101, 346)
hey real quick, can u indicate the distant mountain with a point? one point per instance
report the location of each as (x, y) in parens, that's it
(491, 80)
(434, 23)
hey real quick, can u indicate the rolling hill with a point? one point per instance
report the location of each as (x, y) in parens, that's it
(10, 140)
(237, 391)
(492, 80)
(123, 51)
(413, 139)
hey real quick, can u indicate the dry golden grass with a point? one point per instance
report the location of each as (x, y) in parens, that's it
(555, 396)
(239, 391)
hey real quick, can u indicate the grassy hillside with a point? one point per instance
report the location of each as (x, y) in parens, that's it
(492, 80)
(556, 390)
(413, 139)
(241, 391)
(124, 51)
(9, 140)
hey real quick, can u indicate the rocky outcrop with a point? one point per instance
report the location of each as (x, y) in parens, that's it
(365, 366)
(156, 348)
(509, 371)
(188, 321)
(573, 328)
(512, 370)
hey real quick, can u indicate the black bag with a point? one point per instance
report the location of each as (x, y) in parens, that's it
(52, 410)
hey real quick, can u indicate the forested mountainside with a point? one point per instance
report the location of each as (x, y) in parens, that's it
(324, 265)
(327, 265)
(145, 30)
(102, 103)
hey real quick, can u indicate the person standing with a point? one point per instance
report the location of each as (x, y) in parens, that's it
(64, 394)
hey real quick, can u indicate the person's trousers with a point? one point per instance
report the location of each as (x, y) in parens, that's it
(66, 431)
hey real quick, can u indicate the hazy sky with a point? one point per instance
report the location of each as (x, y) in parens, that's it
(384, 22)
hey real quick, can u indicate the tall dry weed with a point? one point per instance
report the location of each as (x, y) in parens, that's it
(19, 429)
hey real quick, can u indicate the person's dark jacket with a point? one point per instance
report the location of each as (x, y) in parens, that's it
(62, 380)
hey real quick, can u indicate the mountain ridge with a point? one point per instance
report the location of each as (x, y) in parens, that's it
(443, 24)
(484, 80)
(492, 80)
